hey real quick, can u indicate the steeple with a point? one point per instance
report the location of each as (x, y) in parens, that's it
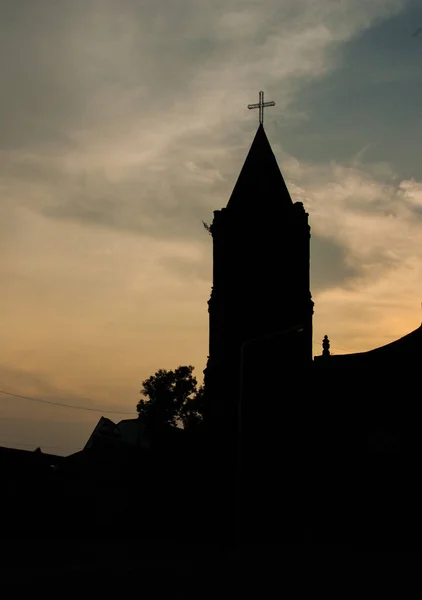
(261, 283)
(260, 183)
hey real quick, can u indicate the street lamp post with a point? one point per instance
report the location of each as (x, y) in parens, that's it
(243, 347)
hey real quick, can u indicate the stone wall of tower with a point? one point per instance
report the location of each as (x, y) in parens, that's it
(261, 279)
(261, 287)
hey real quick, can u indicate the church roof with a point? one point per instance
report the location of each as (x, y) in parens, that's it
(408, 344)
(405, 349)
(260, 180)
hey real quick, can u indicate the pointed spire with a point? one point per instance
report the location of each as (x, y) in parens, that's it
(260, 182)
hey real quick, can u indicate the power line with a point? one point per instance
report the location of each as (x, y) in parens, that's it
(114, 412)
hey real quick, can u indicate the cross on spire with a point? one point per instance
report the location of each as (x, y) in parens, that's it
(261, 105)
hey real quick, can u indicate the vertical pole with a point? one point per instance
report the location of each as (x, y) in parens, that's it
(239, 453)
(261, 107)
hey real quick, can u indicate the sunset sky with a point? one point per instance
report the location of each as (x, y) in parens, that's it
(124, 124)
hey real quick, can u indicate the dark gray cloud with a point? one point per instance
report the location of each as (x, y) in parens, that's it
(374, 99)
(140, 206)
(329, 266)
(43, 90)
(79, 75)
(72, 66)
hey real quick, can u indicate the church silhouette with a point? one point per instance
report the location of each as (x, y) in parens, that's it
(322, 449)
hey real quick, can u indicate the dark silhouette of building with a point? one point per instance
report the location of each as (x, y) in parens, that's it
(294, 449)
(260, 315)
(304, 445)
(404, 352)
(261, 281)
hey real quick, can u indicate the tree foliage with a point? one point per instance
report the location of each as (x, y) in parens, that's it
(207, 227)
(172, 398)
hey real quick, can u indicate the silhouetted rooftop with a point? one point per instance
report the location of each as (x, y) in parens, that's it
(260, 180)
(406, 348)
(19, 457)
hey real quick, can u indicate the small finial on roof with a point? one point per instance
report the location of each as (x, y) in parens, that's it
(325, 346)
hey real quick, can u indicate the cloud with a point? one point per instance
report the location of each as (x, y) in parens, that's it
(124, 125)
(410, 191)
(371, 217)
(129, 113)
(329, 266)
(370, 227)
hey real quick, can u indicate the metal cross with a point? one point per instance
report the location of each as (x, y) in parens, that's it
(261, 104)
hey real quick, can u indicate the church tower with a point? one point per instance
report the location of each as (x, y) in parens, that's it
(260, 310)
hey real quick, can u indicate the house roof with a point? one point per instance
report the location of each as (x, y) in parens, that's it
(22, 458)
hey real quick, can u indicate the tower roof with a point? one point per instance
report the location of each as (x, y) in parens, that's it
(260, 181)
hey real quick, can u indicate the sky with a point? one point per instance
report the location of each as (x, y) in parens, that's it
(124, 124)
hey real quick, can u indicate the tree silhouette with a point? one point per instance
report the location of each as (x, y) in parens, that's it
(192, 411)
(171, 398)
(207, 227)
